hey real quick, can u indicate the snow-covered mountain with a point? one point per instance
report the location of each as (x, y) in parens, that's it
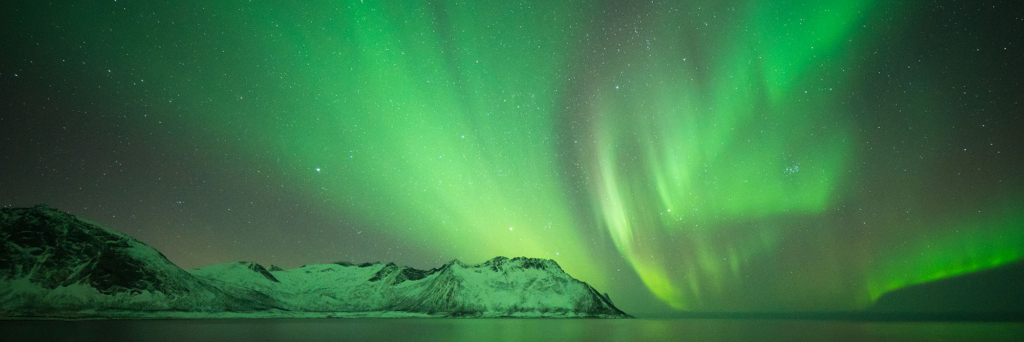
(500, 287)
(55, 264)
(52, 263)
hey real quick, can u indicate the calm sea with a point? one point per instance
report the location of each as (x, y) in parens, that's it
(504, 330)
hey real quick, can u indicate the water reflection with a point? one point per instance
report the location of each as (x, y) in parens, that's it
(504, 330)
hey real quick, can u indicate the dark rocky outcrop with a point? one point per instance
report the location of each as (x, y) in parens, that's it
(259, 270)
(55, 250)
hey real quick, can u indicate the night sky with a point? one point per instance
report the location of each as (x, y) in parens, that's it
(692, 155)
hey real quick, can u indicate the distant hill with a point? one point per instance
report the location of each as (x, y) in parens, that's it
(53, 264)
(996, 290)
(500, 287)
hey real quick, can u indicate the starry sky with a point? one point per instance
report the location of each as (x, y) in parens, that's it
(729, 155)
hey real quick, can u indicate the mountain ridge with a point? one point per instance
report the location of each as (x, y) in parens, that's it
(453, 288)
(54, 264)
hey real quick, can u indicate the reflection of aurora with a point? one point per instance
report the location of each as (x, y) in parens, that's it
(735, 154)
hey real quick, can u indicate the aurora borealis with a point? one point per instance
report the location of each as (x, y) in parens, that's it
(692, 155)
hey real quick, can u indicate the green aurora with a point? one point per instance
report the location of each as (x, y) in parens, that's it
(692, 155)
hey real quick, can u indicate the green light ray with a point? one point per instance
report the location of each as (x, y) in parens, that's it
(996, 238)
(700, 143)
(737, 143)
(445, 133)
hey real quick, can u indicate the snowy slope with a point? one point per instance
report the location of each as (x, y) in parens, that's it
(52, 263)
(501, 287)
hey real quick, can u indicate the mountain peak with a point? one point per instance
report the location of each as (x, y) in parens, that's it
(70, 264)
(68, 267)
(498, 259)
(44, 206)
(501, 263)
(454, 262)
(259, 269)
